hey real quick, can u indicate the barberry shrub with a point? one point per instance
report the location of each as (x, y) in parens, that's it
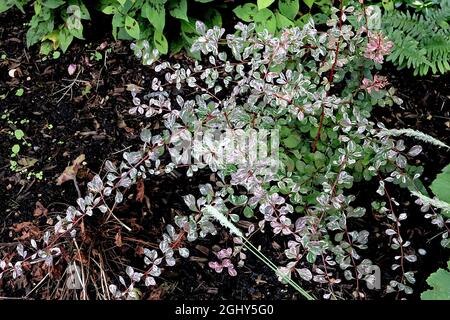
(316, 90)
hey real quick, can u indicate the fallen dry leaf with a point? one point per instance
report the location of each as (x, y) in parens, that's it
(27, 229)
(70, 172)
(139, 250)
(118, 240)
(80, 257)
(133, 87)
(40, 210)
(140, 190)
(27, 162)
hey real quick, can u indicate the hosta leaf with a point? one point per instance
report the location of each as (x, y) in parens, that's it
(264, 3)
(213, 18)
(160, 42)
(155, 12)
(283, 22)
(246, 12)
(440, 283)
(178, 9)
(265, 19)
(289, 8)
(132, 27)
(441, 185)
(309, 3)
(52, 4)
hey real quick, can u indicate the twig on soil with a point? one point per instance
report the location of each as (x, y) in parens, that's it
(69, 87)
(37, 286)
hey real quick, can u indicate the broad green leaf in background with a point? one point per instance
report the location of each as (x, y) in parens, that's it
(65, 39)
(289, 8)
(188, 31)
(178, 9)
(176, 45)
(203, 1)
(292, 141)
(309, 3)
(388, 5)
(441, 185)
(36, 34)
(132, 27)
(7, 4)
(160, 42)
(155, 12)
(283, 22)
(213, 18)
(109, 10)
(52, 4)
(264, 3)
(84, 12)
(440, 282)
(265, 19)
(46, 48)
(75, 28)
(117, 22)
(246, 12)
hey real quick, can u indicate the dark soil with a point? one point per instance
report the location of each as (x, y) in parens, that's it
(95, 122)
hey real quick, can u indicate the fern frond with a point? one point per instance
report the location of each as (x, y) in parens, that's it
(421, 41)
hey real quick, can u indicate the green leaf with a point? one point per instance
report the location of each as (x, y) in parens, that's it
(36, 34)
(19, 134)
(203, 1)
(264, 3)
(160, 42)
(289, 8)
(213, 18)
(109, 10)
(178, 9)
(15, 149)
(64, 39)
(265, 19)
(132, 27)
(52, 4)
(283, 22)
(441, 185)
(155, 12)
(440, 283)
(176, 45)
(6, 5)
(309, 3)
(46, 48)
(238, 200)
(117, 22)
(83, 10)
(189, 32)
(292, 141)
(248, 212)
(246, 12)
(19, 92)
(388, 5)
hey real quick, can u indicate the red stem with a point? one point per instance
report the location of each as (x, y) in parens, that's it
(331, 77)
